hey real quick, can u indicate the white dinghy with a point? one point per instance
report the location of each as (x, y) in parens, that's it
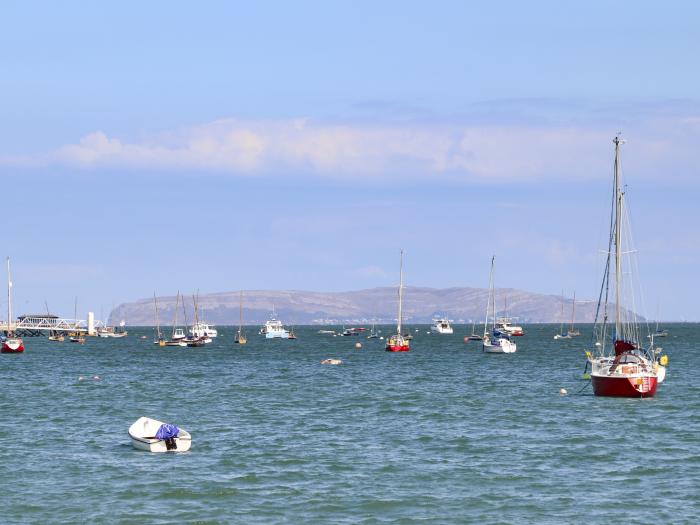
(155, 436)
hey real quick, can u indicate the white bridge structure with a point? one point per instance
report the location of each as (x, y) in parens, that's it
(38, 325)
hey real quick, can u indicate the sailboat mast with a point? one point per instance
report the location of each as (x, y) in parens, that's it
(155, 307)
(573, 311)
(488, 301)
(561, 325)
(9, 300)
(177, 303)
(618, 233)
(240, 311)
(398, 326)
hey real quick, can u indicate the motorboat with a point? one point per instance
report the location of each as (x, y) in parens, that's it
(503, 324)
(152, 435)
(353, 331)
(620, 365)
(442, 326)
(274, 329)
(202, 329)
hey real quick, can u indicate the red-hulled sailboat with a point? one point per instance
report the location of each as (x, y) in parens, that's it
(398, 342)
(11, 344)
(620, 365)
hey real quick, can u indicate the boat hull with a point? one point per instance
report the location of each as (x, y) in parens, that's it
(12, 346)
(397, 348)
(624, 386)
(143, 430)
(508, 348)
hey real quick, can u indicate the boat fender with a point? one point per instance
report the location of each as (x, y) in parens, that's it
(663, 360)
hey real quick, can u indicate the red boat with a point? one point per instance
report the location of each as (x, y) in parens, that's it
(623, 368)
(398, 342)
(11, 344)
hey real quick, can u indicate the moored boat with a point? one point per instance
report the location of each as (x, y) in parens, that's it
(442, 326)
(497, 340)
(620, 365)
(11, 343)
(240, 337)
(274, 329)
(399, 342)
(152, 435)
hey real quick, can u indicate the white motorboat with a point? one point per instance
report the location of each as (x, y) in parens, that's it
(152, 435)
(202, 329)
(274, 329)
(498, 343)
(441, 326)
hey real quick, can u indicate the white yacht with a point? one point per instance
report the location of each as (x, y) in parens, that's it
(202, 329)
(441, 326)
(274, 329)
(503, 324)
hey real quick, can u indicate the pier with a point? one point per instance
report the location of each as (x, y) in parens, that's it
(42, 325)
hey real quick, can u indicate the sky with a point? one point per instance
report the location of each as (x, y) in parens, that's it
(214, 146)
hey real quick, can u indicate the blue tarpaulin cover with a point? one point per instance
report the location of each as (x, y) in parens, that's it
(167, 431)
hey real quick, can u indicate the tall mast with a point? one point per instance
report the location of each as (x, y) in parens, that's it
(618, 233)
(240, 311)
(561, 325)
(488, 301)
(573, 311)
(398, 326)
(177, 303)
(9, 300)
(155, 307)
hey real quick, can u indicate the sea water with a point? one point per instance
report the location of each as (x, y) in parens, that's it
(442, 434)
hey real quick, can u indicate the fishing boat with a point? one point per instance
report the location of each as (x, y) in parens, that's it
(152, 435)
(240, 337)
(353, 331)
(561, 335)
(495, 341)
(573, 332)
(160, 340)
(620, 365)
(399, 342)
(11, 343)
(441, 326)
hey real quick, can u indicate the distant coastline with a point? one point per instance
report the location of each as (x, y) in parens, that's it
(463, 305)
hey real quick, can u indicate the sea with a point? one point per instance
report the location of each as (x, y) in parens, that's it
(441, 434)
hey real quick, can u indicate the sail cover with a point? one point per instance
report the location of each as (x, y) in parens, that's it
(167, 431)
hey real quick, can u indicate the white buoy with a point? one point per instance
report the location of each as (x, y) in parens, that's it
(331, 362)
(80, 378)
(381, 338)
(562, 391)
(358, 345)
(96, 378)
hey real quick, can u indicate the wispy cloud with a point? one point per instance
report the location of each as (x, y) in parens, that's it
(469, 149)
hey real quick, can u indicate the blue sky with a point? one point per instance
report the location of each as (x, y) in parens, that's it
(298, 145)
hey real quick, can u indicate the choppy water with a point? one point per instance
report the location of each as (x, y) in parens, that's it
(443, 434)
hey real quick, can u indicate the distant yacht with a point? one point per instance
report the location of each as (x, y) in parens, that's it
(441, 326)
(561, 335)
(399, 342)
(11, 344)
(498, 340)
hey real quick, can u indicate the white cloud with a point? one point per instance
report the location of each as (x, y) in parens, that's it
(455, 150)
